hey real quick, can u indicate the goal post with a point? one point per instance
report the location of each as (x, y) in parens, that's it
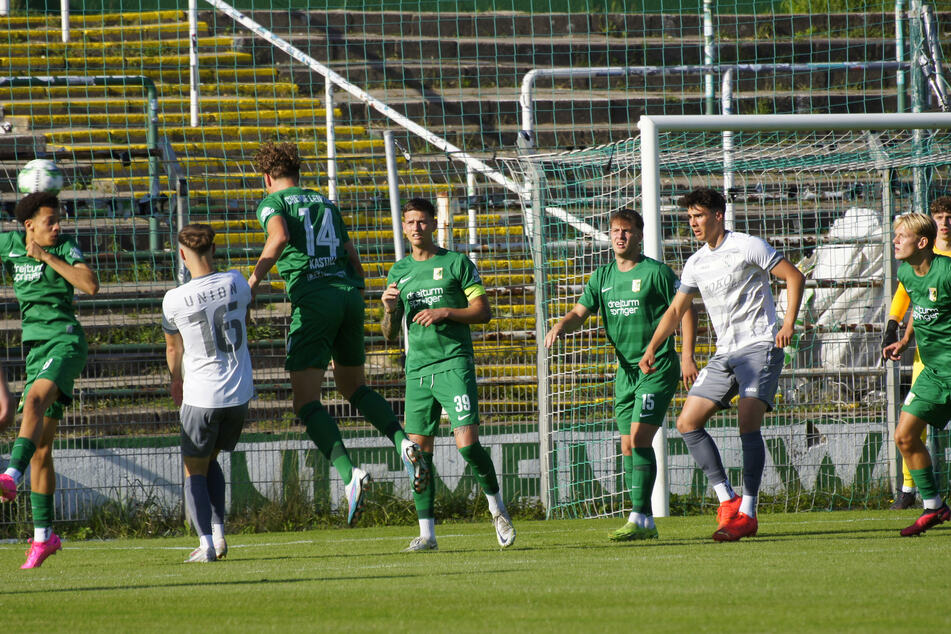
(822, 189)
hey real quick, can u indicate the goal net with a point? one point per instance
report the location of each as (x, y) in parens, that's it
(823, 199)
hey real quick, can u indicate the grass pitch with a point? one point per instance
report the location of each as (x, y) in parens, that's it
(843, 571)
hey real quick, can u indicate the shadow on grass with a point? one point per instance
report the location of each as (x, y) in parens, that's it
(245, 582)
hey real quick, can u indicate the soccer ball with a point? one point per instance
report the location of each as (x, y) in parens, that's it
(40, 175)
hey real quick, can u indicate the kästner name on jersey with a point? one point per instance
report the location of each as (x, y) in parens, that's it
(624, 307)
(424, 297)
(209, 295)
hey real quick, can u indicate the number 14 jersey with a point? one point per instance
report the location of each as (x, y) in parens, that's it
(209, 312)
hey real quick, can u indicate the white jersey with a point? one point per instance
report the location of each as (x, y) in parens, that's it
(733, 281)
(209, 312)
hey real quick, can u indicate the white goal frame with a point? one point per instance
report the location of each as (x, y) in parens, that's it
(651, 126)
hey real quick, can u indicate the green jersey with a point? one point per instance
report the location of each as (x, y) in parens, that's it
(931, 312)
(314, 256)
(45, 297)
(631, 305)
(442, 281)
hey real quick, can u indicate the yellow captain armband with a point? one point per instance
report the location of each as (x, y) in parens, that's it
(474, 291)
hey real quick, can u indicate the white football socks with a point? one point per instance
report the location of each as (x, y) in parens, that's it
(496, 505)
(427, 528)
(724, 492)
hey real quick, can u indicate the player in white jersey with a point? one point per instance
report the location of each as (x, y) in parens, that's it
(730, 272)
(206, 346)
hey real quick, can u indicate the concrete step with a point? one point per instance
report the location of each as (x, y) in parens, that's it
(207, 133)
(135, 105)
(59, 63)
(222, 148)
(487, 25)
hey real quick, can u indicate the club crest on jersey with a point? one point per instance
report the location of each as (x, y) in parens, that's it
(933, 294)
(636, 286)
(437, 273)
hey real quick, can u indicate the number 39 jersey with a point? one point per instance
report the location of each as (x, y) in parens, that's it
(314, 256)
(209, 312)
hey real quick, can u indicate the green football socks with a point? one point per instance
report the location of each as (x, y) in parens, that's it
(323, 430)
(378, 412)
(643, 475)
(23, 450)
(481, 463)
(426, 501)
(925, 481)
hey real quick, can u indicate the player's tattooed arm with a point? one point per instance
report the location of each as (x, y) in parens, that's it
(392, 312)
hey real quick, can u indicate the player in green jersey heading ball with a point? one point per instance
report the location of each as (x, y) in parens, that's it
(441, 294)
(927, 279)
(307, 239)
(45, 267)
(631, 294)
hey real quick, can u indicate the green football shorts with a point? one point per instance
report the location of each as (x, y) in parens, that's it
(930, 399)
(60, 360)
(328, 326)
(644, 398)
(453, 390)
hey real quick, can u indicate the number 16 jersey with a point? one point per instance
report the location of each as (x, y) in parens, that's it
(209, 312)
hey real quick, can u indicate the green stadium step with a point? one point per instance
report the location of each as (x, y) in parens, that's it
(93, 19)
(358, 218)
(257, 237)
(123, 32)
(255, 133)
(175, 104)
(40, 93)
(196, 166)
(77, 150)
(178, 46)
(173, 119)
(342, 189)
(52, 63)
(242, 181)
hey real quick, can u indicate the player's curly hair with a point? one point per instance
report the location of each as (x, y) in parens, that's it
(941, 205)
(197, 237)
(30, 204)
(278, 160)
(921, 225)
(420, 204)
(704, 197)
(628, 215)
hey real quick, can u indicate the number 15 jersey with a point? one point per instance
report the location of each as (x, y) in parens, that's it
(209, 312)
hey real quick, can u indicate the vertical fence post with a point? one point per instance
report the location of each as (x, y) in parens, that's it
(918, 185)
(471, 214)
(332, 144)
(892, 369)
(726, 97)
(64, 18)
(900, 52)
(444, 220)
(709, 57)
(546, 448)
(392, 179)
(193, 80)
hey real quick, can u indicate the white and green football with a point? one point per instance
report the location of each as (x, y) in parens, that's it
(40, 175)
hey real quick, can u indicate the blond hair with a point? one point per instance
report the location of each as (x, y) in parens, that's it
(921, 225)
